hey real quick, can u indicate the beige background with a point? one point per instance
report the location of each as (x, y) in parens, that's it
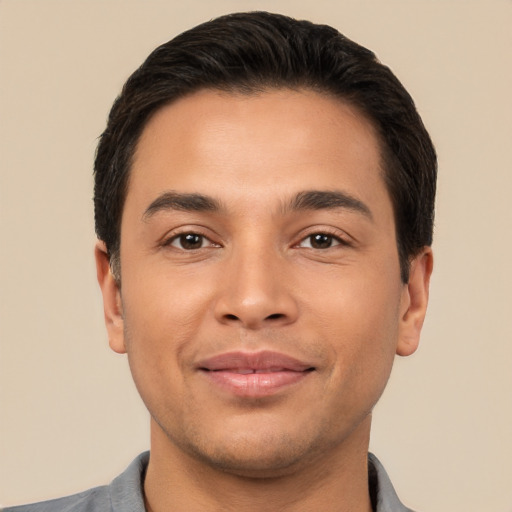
(70, 415)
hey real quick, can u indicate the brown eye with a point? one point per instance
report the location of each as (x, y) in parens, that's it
(320, 241)
(189, 241)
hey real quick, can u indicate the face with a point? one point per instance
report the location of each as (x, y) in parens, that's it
(261, 304)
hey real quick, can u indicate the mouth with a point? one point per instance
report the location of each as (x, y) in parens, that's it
(255, 375)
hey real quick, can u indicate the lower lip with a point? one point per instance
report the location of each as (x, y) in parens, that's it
(255, 385)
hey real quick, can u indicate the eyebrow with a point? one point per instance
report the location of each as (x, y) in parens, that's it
(181, 202)
(306, 200)
(328, 200)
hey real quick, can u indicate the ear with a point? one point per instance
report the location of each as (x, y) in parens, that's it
(112, 305)
(413, 304)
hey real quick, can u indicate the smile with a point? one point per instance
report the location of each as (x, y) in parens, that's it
(254, 375)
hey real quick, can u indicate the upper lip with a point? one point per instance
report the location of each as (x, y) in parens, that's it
(254, 361)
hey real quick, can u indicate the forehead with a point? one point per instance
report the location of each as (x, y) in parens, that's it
(258, 144)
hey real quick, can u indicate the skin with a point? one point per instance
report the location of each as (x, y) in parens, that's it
(256, 279)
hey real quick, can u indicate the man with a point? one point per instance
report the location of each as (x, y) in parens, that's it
(264, 206)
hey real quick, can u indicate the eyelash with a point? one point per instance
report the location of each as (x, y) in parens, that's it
(334, 240)
(177, 236)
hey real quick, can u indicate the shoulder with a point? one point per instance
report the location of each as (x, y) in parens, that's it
(124, 493)
(92, 500)
(382, 492)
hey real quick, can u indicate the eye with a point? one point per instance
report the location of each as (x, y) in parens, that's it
(190, 241)
(320, 241)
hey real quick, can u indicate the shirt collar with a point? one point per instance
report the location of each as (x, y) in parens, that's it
(126, 491)
(382, 492)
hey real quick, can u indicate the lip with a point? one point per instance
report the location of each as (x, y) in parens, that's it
(254, 374)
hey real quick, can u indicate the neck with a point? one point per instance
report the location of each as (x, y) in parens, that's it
(337, 482)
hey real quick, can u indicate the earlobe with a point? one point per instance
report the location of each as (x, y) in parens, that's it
(414, 302)
(112, 305)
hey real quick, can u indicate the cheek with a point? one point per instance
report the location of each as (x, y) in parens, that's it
(359, 299)
(160, 322)
(159, 325)
(360, 318)
(163, 303)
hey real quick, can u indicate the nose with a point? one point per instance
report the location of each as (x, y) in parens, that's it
(256, 291)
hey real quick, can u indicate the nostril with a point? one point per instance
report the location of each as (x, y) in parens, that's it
(231, 317)
(275, 316)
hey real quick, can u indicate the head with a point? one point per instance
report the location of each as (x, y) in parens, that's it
(264, 194)
(252, 52)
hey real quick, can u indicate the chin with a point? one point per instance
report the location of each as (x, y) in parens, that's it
(263, 455)
(254, 463)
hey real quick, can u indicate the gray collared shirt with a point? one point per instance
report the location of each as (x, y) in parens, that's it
(124, 494)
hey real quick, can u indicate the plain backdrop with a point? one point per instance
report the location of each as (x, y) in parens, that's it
(70, 415)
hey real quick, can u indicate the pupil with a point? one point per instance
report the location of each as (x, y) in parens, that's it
(191, 241)
(321, 241)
